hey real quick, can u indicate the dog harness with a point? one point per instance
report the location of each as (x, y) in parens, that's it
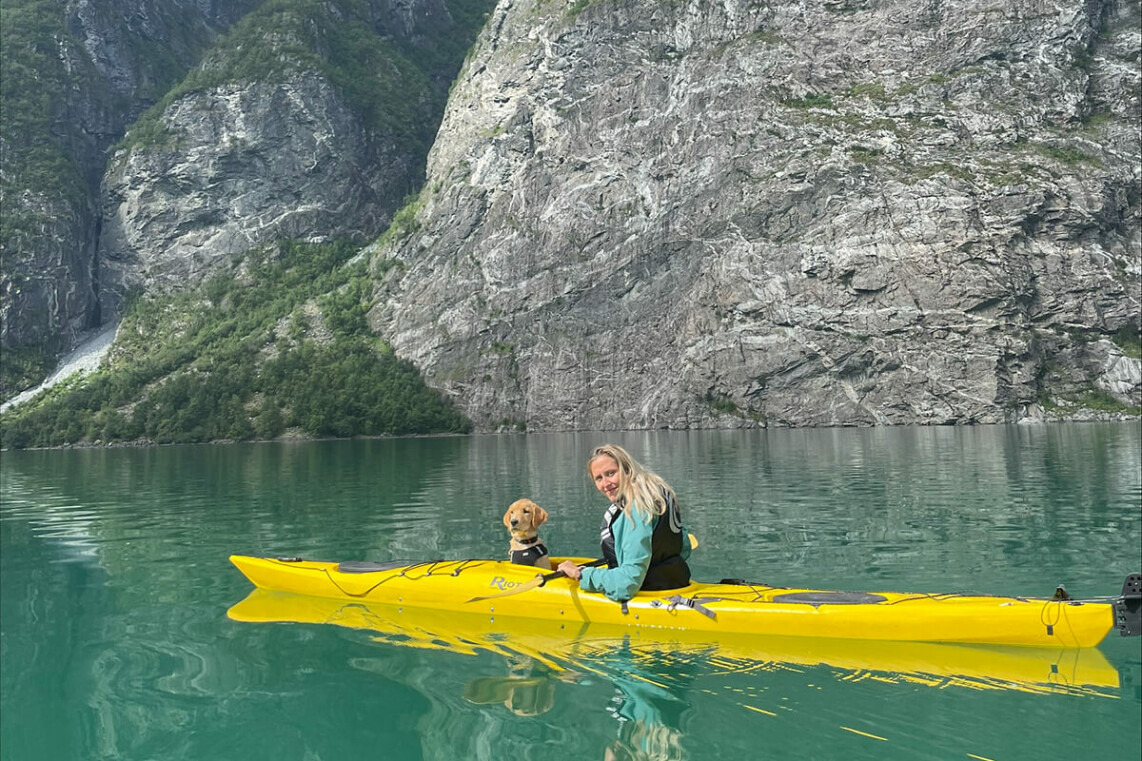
(531, 554)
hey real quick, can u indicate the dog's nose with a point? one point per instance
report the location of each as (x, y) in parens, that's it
(514, 522)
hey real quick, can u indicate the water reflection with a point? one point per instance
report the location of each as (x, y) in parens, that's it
(649, 681)
(644, 658)
(131, 508)
(908, 505)
(524, 692)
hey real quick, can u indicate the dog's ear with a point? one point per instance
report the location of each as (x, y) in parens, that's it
(508, 518)
(540, 517)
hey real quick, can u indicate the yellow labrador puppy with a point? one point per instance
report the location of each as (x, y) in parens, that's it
(523, 520)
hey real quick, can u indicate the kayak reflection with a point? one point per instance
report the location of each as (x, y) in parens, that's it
(541, 653)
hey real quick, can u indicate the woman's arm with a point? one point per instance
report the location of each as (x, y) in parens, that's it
(632, 548)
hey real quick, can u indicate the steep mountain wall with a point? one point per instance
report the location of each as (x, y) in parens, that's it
(76, 74)
(690, 214)
(306, 120)
(322, 143)
(255, 163)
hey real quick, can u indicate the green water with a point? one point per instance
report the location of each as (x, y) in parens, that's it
(115, 643)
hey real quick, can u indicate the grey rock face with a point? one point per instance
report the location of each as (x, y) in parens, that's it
(114, 60)
(253, 163)
(141, 47)
(249, 162)
(49, 298)
(701, 214)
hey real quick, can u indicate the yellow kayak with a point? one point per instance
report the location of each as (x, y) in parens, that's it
(578, 649)
(492, 589)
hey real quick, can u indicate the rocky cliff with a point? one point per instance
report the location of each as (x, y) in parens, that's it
(254, 163)
(268, 120)
(76, 75)
(322, 145)
(709, 214)
(635, 213)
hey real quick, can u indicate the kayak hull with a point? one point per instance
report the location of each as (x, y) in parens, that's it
(472, 586)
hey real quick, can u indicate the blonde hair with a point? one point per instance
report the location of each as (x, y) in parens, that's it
(638, 487)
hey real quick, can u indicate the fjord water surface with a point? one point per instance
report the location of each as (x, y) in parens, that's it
(116, 642)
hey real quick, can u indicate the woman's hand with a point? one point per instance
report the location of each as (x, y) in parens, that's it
(570, 570)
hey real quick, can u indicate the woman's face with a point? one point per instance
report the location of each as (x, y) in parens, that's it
(607, 476)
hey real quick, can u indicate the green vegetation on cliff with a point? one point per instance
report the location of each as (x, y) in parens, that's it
(279, 343)
(397, 85)
(33, 83)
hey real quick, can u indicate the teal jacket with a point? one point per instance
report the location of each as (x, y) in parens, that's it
(632, 548)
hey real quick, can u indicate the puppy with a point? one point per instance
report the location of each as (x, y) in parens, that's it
(523, 520)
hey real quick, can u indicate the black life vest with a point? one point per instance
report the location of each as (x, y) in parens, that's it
(668, 569)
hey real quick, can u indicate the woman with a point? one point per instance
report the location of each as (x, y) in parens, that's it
(642, 537)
